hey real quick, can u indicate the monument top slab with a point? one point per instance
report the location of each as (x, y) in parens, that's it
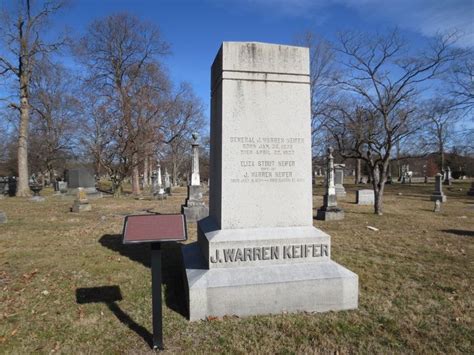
(255, 57)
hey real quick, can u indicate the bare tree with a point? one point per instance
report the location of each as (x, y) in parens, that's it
(55, 113)
(183, 117)
(322, 71)
(119, 52)
(380, 81)
(461, 79)
(22, 30)
(441, 120)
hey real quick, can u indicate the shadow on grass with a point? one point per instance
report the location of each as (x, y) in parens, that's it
(171, 266)
(110, 295)
(459, 232)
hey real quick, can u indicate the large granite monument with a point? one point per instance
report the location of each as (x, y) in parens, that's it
(80, 177)
(195, 208)
(258, 251)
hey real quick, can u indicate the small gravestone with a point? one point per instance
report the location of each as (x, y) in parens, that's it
(195, 209)
(329, 211)
(258, 251)
(437, 206)
(81, 203)
(438, 192)
(62, 187)
(3, 217)
(339, 180)
(471, 190)
(365, 197)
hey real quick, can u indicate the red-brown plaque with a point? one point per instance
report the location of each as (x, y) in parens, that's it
(154, 228)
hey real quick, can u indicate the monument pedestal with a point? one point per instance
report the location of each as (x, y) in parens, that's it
(81, 206)
(194, 209)
(330, 214)
(340, 191)
(438, 197)
(329, 210)
(264, 271)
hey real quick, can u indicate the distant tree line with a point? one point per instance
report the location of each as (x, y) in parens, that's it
(374, 98)
(377, 99)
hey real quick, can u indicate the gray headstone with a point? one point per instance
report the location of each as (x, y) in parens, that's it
(365, 197)
(80, 178)
(258, 251)
(3, 217)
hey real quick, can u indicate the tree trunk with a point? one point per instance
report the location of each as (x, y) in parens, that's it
(379, 178)
(145, 172)
(23, 189)
(441, 155)
(135, 176)
(117, 188)
(175, 172)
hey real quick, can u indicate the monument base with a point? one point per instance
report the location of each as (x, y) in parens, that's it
(91, 192)
(37, 199)
(79, 206)
(160, 197)
(245, 291)
(333, 214)
(195, 213)
(438, 197)
(340, 192)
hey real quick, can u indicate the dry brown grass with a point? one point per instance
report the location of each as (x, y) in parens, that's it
(415, 273)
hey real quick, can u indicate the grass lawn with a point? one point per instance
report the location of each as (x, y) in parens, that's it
(416, 280)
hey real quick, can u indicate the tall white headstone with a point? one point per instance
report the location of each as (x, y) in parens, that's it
(258, 251)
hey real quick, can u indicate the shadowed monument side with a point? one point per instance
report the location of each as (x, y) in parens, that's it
(258, 251)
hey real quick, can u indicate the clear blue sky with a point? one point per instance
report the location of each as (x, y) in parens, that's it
(196, 28)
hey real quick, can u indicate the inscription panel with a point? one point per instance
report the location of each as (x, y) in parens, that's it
(270, 253)
(267, 159)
